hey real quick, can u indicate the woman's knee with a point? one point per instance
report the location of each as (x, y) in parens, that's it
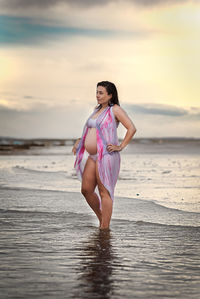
(86, 190)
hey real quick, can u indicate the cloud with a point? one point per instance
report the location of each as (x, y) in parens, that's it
(81, 3)
(55, 121)
(43, 121)
(16, 30)
(11, 102)
(161, 109)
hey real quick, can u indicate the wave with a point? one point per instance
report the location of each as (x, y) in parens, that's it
(76, 215)
(39, 212)
(3, 187)
(148, 223)
(38, 171)
(59, 172)
(156, 203)
(72, 175)
(133, 199)
(120, 178)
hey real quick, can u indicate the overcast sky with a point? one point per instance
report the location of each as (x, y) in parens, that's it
(53, 53)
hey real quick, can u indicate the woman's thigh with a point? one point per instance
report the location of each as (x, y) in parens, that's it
(89, 181)
(102, 190)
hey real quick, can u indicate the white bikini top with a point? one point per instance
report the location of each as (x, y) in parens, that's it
(91, 123)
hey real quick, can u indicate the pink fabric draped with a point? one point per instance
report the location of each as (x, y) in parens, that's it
(108, 163)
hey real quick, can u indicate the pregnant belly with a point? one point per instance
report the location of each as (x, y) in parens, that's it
(91, 141)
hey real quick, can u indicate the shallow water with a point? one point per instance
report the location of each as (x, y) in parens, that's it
(51, 247)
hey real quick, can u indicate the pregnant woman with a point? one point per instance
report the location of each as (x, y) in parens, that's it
(99, 144)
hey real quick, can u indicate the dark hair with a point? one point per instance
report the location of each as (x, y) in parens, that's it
(111, 89)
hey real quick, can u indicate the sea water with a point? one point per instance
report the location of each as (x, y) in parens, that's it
(50, 244)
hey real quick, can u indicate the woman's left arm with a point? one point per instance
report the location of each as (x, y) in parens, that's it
(122, 117)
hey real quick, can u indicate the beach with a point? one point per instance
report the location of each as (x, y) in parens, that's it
(50, 243)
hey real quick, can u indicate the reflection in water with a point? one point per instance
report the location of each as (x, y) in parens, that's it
(96, 265)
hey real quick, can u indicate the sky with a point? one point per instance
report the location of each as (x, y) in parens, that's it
(54, 52)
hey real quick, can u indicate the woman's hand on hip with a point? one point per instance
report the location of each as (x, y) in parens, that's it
(75, 146)
(74, 150)
(113, 148)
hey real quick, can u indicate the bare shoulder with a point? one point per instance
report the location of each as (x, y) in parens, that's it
(122, 116)
(118, 111)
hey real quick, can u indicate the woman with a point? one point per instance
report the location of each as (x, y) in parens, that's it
(99, 143)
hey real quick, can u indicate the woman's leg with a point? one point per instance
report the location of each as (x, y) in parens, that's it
(89, 183)
(106, 202)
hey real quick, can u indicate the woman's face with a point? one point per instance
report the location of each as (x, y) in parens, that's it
(102, 96)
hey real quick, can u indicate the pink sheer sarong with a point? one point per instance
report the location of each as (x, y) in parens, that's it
(108, 163)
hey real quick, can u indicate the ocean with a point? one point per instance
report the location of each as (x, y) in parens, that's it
(50, 243)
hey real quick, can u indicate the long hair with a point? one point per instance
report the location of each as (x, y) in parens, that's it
(111, 89)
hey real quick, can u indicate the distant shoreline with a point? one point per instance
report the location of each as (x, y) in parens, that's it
(12, 145)
(44, 139)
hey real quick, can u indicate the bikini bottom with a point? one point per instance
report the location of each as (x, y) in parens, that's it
(94, 157)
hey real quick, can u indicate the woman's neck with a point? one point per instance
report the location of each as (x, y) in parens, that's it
(104, 106)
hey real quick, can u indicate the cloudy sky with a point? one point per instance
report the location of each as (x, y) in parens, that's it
(53, 53)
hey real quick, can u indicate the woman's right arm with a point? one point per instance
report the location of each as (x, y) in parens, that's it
(75, 146)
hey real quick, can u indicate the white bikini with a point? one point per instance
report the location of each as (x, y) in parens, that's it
(91, 123)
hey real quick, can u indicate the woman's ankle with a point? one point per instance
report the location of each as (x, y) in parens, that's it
(104, 227)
